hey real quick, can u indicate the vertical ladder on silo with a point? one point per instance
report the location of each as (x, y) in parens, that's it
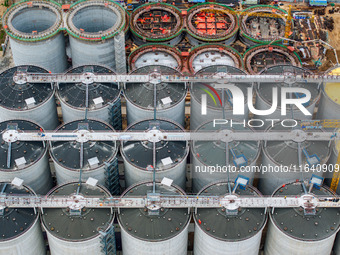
(120, 57)
(108, 241)
(115, 115)
(112, 177)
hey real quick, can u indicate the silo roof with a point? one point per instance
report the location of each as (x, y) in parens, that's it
(74, 94)
(23, 154)
(67, 154)
(169, 153)
(138, 223)
(216, 223)
(23, 95)
(167, 95)
(62, 225)
(15, 221)
(293, 222)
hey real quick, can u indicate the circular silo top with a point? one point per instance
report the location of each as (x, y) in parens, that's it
(213, 55)
(212, 22)
(155, 54)
(96, 153)
(100, 94)
(332, 89)
(168, 94)
(156, 22)
(142, 225)
(265, 89)
(261, 57)
(213, 153)
(313, 153)
(23, 154)
(63, 224)
(217, 223)
(16, 221)
(263, 23)
(32, 21)
(95, 21)
(19, 95)
(214, 101)
(293, 222)
(168, 153)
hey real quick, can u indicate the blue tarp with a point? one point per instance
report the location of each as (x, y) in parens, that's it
(318, 2)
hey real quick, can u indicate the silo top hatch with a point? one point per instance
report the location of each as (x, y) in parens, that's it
(23, 154)
(142, 224)
(242, 153)
(265, 89)
(61, 223)
(99, 94)
(167, 95)
(200, 88)
(241, 225)
(15, 221)
(96, 153)
(169, 153)
(294, 223)
(17, 94)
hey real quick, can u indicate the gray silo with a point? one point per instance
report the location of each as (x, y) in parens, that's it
(170, 155)
(98, 158)
(78, 232)
(34, 29)
(332, 165)
(147, 232)
(291, 231)
(170, 97)
(280, 160)
(28, 160)
(219, 232)
(92, 26)
(329, 106)
(214, 104)
(25, 100)
(264, 95)
(103, 99)
(208, 158)
(20, 231)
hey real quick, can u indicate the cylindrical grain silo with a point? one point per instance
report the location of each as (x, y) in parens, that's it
(214, 103)
(258, 58)
(25, 100)
(170, 155)
(329, 106)
(156, 22)
(280, 159)
(217, 232)
(290, 231)
(97, 155)
(92, 26)
(207, 55)
(28, 160)
(20, 231)
(77, 233)
(147, 232)
(264, 96)
(211, 23)
(208, 158)
(153, 54)
(262, 24)
(336, 247)
(170, 97)
(103, 97)
(34, 31)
